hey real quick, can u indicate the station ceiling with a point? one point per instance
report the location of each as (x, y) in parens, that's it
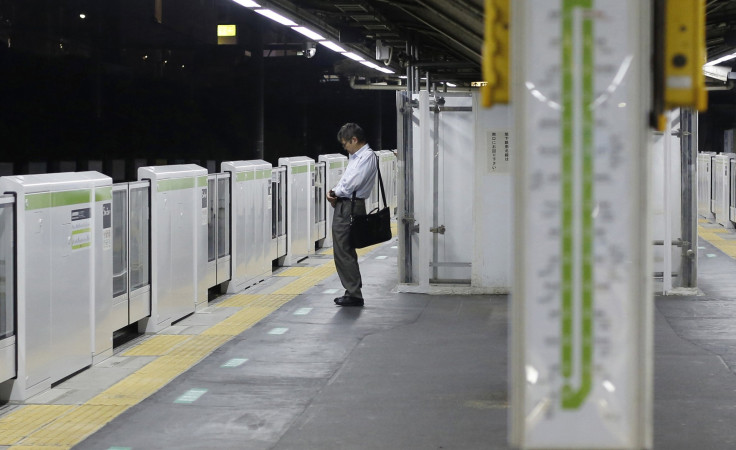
(448, 35)
(720, 28)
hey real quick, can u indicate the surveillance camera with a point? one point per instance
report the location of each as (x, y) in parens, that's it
(310, 49)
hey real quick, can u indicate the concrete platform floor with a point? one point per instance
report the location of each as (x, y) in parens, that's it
(413, 371)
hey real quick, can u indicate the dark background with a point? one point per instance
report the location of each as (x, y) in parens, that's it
(126, 83)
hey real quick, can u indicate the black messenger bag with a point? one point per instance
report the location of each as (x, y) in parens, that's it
(374, 227)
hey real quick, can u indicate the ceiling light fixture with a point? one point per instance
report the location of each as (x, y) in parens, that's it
(353, 56)
(720, 60)
(332, 46)
(309, 33)
(247, 3)
(276, 17)
(376, 67)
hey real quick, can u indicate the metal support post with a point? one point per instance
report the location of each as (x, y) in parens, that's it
(688, 156)
(260, 85)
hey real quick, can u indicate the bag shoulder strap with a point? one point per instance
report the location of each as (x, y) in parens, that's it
(380, 181)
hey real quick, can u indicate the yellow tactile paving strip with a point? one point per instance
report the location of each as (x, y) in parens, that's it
(298, 286)
(240, 321)
(71, 428)
(27, 419)
(40, 447)
(157, 345)
(240, 300)
(294, 272)
(62, 426)
(716, 237)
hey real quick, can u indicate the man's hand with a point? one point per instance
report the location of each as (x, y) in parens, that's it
(332, 198)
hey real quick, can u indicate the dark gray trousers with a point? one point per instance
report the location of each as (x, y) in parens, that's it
(346, 259)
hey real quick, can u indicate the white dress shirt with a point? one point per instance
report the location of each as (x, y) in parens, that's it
(359, 176)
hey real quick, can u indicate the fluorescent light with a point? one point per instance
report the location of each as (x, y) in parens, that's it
(720, 60)
(276, 17)
(247, 3)
(332, 46)
(352, 55)
(370, 64)
(309, 33)
(376, 67)
(450, 84)
(717, 72)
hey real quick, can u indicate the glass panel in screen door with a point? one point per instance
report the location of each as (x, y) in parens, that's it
(139, 237)
(319, 193)
(223, 217)
(281, 203)
(7, 267)
(211, 219)
(120, 241)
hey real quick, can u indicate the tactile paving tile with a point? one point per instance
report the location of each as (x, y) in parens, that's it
(324, 271)
(199, 346)
(717, 239)
(294, 272)
(157, 345)
(40, 447)
(239, 322)
(240, 300)
(73, 427)
(23, 421)
(299, 286)
(274, 301)
(132, 389)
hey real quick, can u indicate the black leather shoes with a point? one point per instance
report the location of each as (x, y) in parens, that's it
(347, 300)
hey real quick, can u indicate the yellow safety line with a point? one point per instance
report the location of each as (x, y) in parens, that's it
(62, 426)
(40, 447)
(239, 322)
(715, 237)
(27, 419)
(294, 272)
(157, 345)
(71, 428)
(240, 300)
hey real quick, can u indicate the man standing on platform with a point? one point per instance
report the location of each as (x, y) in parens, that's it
(357, 180)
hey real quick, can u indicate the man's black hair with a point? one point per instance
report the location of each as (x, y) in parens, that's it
(349, 131)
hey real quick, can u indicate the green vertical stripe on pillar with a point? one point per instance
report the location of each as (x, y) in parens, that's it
(573, 397)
